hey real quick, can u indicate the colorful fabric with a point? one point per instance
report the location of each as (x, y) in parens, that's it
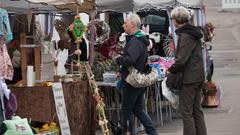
(6, 68)
(10, 106)
(157, 66)
(17, 126)
(169, 48)
(5, 29)
(162, 65)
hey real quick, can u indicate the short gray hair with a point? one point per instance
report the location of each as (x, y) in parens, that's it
(133, 17)
(181, 15)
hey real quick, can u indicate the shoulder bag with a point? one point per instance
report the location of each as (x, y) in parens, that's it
(138, 80)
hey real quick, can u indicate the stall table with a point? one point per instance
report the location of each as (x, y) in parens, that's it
(37, 103)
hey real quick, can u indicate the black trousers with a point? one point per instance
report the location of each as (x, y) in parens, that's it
(191, 110)
(134, 105)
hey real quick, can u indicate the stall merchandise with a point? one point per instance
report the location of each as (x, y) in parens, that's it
(101, 31)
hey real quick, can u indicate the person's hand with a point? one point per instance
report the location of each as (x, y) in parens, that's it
(78, 52)
(71, 27)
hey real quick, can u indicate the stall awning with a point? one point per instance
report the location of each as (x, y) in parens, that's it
(22, 6)
(100, 5)
(134, 5)
(73, 5)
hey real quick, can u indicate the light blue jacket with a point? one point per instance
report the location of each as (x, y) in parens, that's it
(4, 25)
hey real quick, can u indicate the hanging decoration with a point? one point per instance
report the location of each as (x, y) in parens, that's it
(37, 34)
(101, 33)
(168, 46)
(61, 28)
(77, 28)
(102, 120)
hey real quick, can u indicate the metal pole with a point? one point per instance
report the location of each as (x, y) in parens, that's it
(2, 109)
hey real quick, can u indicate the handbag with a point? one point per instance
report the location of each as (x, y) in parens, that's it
(138, 80)
(174, 81)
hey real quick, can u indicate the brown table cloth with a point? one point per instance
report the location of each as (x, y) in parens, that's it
(37, 103)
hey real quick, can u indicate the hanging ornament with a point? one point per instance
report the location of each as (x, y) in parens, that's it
(78, 29)
(61, 28)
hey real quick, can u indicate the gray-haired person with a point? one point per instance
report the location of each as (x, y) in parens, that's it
(189, 60)
(135, 53)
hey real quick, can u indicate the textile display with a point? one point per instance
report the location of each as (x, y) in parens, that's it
(10, 106)
(6, 68)
(161, 64)
(5, 29)
(169, 47)
(158, 67)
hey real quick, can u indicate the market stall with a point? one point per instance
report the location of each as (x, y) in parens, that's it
(37, 102)
(36, 96)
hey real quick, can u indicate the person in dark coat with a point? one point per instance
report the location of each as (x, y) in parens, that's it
(135, 53)
(189, 61)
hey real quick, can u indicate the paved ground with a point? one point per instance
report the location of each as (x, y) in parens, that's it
(224, 120)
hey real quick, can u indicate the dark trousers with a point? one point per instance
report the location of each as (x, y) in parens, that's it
(134, 104)
(191, 110)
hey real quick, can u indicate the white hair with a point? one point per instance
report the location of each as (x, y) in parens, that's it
(134, 18)
(181, 15)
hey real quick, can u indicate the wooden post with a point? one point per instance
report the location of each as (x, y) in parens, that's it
(37, 62)
(23, 58)
(92, 40)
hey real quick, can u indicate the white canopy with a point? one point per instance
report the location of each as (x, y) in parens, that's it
(101, 5)
(21, 6)
(133, 5)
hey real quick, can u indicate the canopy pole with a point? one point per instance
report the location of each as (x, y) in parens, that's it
(92, 39)
(77, 10)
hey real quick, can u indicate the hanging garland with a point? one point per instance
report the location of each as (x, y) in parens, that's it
(100, 106)
(101, 29)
